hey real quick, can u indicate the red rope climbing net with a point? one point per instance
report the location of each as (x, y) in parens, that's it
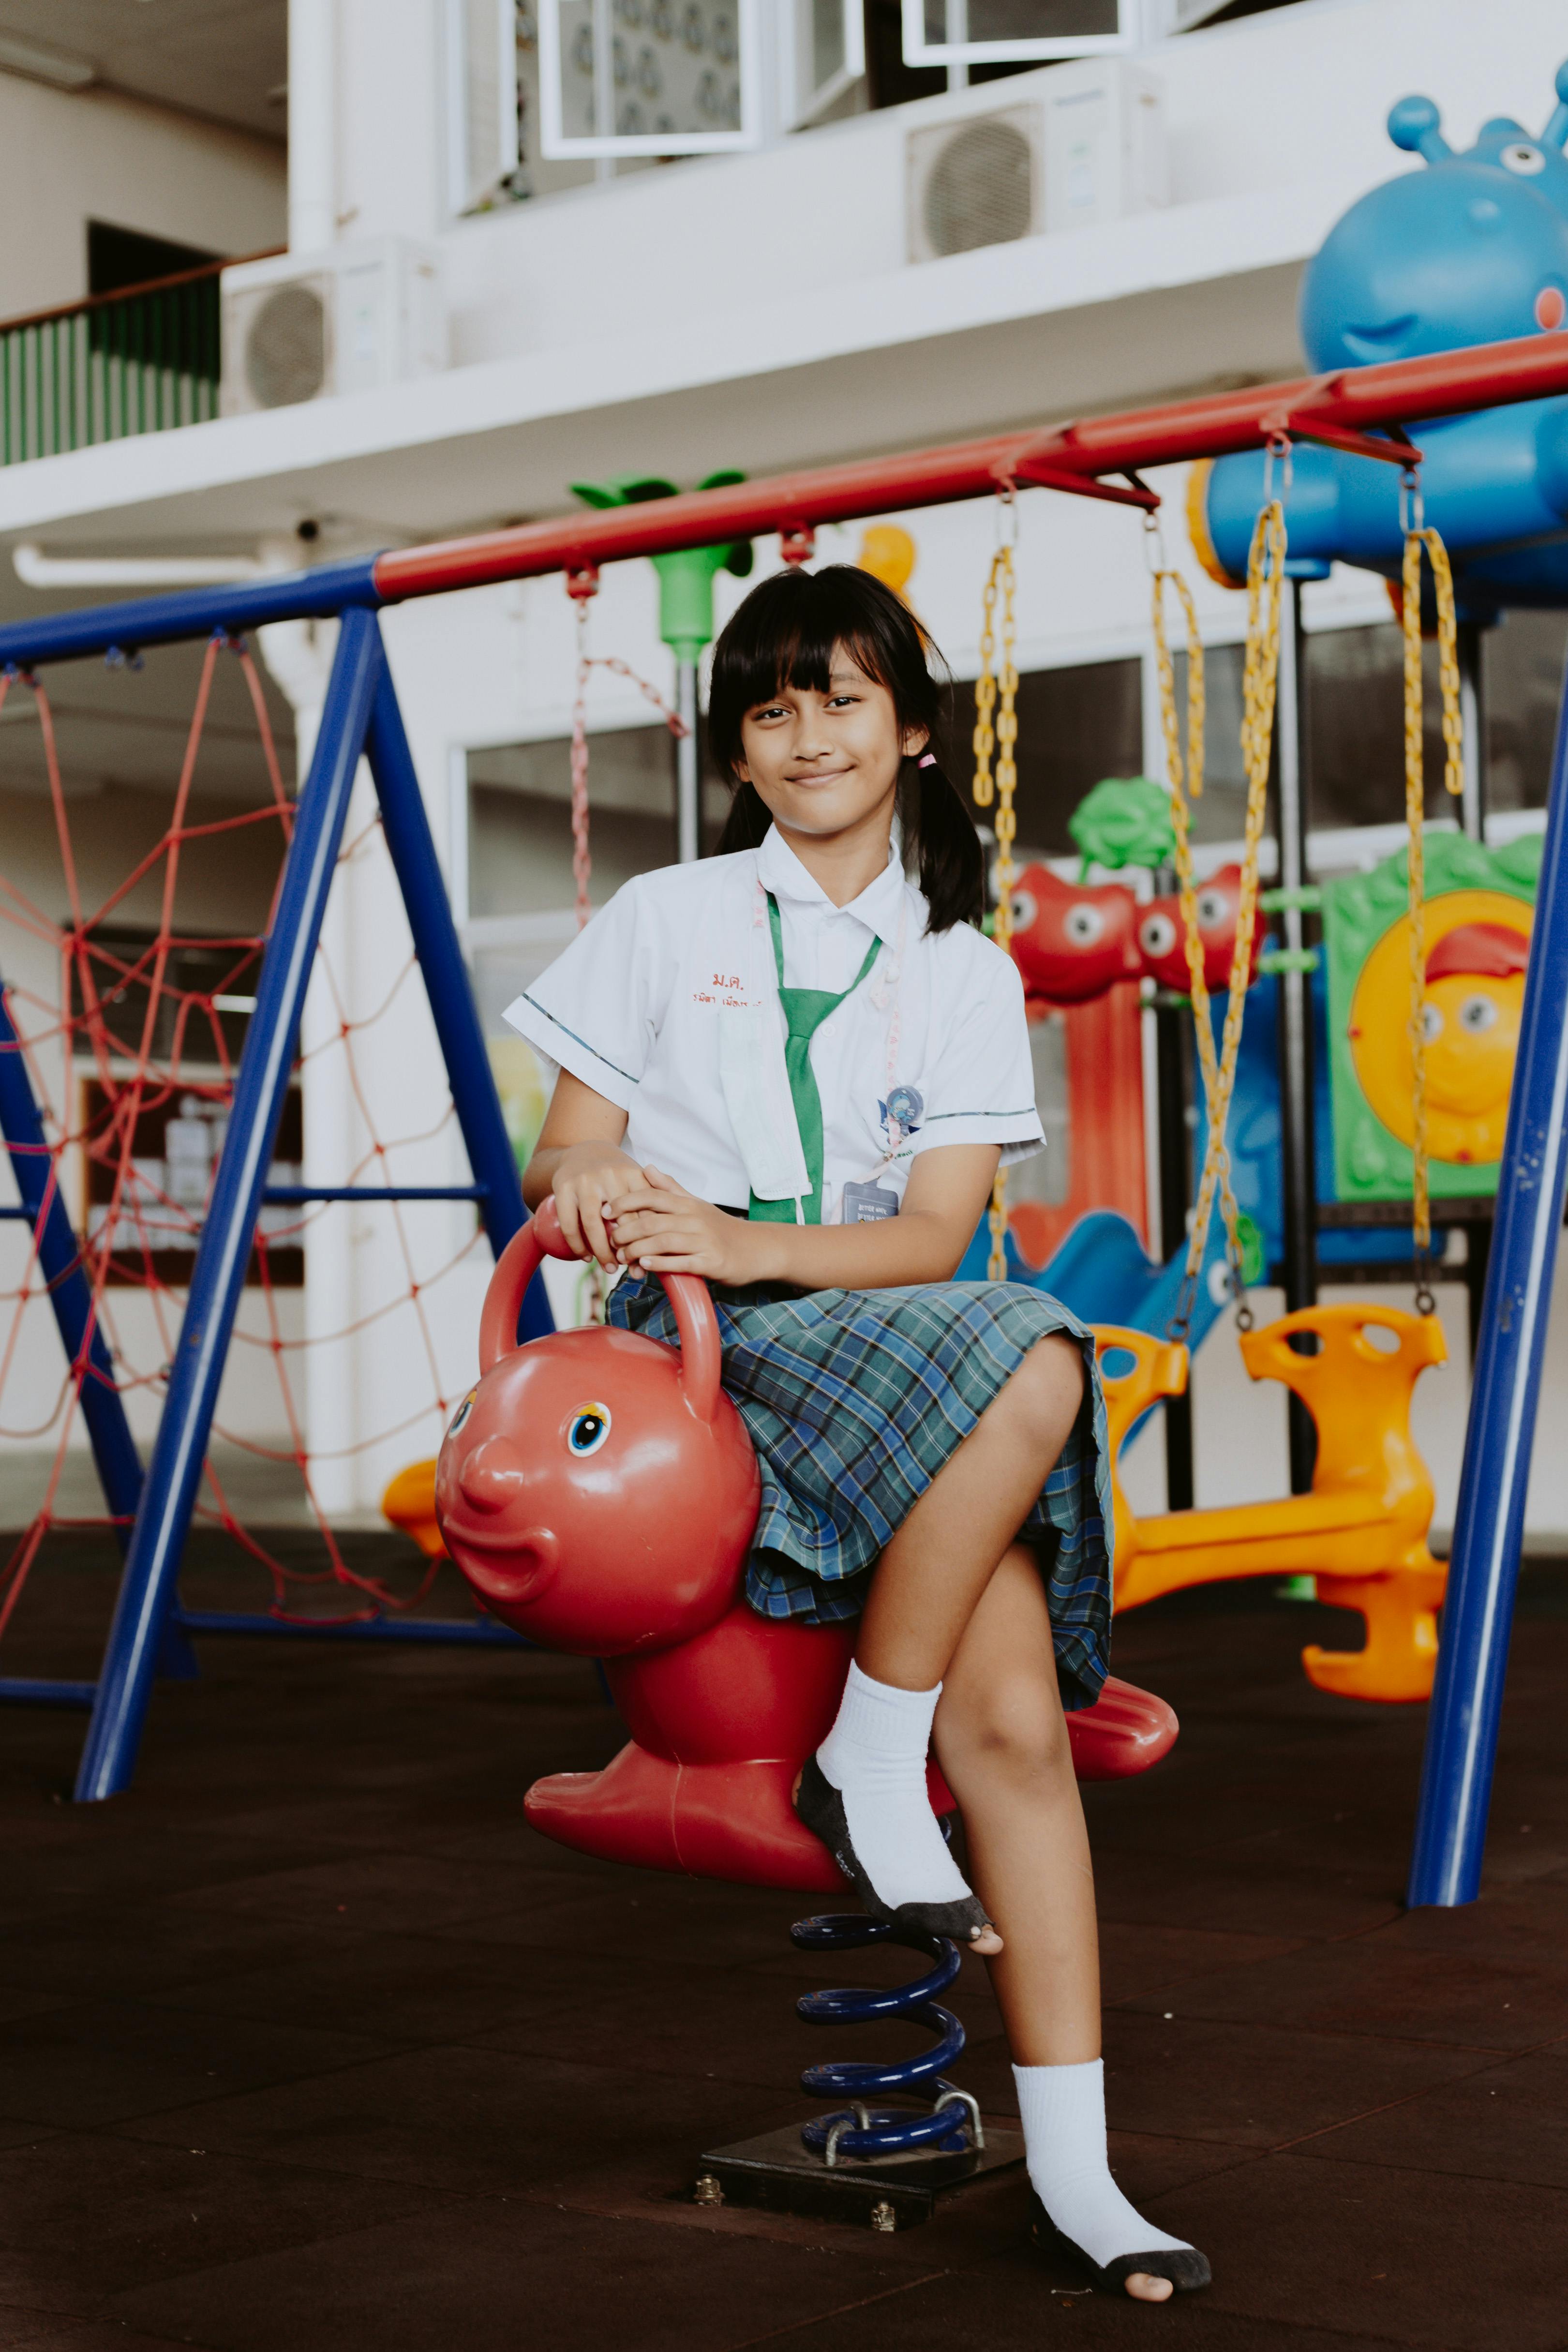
(131, 1013)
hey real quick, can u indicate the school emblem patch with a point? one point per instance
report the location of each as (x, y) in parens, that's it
(904, 1109)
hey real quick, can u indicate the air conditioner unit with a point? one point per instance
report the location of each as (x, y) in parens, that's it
(308, 326)
(1092, 147)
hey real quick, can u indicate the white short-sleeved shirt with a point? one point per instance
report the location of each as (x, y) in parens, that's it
(668, 1006)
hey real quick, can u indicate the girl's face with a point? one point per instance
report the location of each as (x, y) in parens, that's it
(828, 763)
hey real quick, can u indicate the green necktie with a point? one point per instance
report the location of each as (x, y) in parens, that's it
(805, 1010)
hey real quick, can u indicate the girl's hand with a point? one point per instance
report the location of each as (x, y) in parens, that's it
(586, 1177)
(660, 1228)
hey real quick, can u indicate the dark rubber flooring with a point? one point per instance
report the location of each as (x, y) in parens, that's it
(308, 2044)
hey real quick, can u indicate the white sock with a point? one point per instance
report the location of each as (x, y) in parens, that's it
(1064, 2111)
(875, 1756)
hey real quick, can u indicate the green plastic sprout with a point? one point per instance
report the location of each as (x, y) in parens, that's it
(686, 573)
(1125, 821)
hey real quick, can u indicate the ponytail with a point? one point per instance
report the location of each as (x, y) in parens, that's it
(784, 634)
(939, 834)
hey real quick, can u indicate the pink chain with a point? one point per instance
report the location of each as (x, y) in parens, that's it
(581, 864)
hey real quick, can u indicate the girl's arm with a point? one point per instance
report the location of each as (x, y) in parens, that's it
(577, 1159)
(660, 1228)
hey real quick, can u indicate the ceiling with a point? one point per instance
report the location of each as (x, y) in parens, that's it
(225, 60)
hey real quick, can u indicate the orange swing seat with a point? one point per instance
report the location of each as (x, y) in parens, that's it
(1361, 1530)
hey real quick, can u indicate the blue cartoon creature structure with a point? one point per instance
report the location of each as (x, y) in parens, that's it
(1474, 249)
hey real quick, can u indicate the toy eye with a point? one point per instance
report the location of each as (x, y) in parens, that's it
(1478, 1014)
(1524, 160)
(1432, 1023)
(462, 1413)
(1213, 908)
(590, 1428)
(1549, 308)
(1025, 911)
(1084, 925)
(1158, 935)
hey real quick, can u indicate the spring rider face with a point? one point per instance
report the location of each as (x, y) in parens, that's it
(1164, 949)
(1070, 942)
(1473, 250)
(621, 1521)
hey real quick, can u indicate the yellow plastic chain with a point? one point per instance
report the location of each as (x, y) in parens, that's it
(1414, 813)
(1186, 785)
(999, 739)
(1265, 583)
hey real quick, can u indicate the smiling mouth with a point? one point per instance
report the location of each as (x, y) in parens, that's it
(472, 1541)
(1377, 343)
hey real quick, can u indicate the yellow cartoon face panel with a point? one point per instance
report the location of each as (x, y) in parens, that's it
(1477, 945)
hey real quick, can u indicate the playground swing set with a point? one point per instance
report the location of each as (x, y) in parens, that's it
(699, 1680)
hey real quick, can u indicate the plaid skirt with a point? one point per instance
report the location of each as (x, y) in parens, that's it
(855, 1399)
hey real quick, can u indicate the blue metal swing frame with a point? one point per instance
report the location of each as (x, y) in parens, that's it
(362, 715)
(150, 1631)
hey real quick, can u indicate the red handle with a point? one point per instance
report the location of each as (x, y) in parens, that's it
(514, 1269)
(702, 1352)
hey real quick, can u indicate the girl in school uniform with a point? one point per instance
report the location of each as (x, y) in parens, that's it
(793, 1070)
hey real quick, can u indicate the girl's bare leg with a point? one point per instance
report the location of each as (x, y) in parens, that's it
(941, 1560)
(1001, 1741)
(927, 1586)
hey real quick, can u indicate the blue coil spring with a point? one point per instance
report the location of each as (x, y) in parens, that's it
(952, 2125)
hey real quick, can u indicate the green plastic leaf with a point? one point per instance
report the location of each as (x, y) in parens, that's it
(1125, 821)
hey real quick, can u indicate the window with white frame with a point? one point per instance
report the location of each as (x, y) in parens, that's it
(821, 57)
(481, 100)
(629, 77)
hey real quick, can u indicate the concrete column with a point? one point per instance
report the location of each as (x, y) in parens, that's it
(312, 124)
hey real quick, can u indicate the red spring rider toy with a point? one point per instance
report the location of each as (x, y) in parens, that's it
(599, 1491)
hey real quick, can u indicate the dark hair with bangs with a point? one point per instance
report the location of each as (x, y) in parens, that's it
(784, 634)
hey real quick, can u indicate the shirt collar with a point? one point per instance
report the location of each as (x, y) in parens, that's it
(781, 871)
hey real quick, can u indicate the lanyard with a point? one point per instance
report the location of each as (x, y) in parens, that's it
(805, 1010)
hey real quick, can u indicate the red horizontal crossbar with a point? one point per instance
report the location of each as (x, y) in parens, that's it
(1353, 402)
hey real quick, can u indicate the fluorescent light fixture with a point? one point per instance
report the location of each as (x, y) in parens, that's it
(44, 65)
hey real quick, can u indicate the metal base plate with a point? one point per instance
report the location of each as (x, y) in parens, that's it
(778, 2172)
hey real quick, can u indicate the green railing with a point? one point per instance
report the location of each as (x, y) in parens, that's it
(142, 360)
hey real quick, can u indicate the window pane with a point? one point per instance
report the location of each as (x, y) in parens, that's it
(1022, 20)
(1522, 669)
(1074, 726)
(1048, 1177)
(1042, 20)
(520, 845)
(675, 71)
(481, 96)
(827, 40)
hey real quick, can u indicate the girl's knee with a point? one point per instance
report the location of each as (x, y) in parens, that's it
(1013, 1729)
(1047, 1390)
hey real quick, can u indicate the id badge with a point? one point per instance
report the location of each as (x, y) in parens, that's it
(867, 1204)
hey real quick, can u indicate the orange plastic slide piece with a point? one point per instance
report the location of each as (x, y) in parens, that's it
(409, 1504)
(1362, 1531)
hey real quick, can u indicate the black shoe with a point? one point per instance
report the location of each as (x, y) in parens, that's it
(821, 1807)
(1185, 2268)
